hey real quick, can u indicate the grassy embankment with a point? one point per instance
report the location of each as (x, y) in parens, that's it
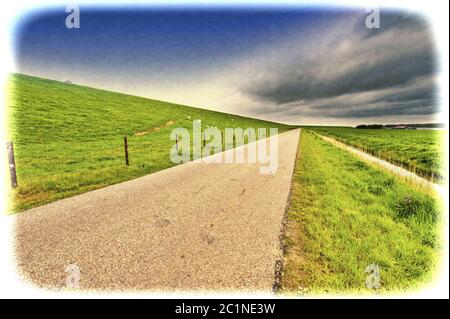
(420, 151)
(68, 139)
(345, 215)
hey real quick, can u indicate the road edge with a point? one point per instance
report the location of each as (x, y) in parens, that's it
(279, 263)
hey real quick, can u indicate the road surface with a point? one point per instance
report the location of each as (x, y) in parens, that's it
(192, 227)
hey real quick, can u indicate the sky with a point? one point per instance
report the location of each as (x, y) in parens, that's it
(297, 65)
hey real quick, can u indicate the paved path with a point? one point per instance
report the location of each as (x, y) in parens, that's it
(193, 226)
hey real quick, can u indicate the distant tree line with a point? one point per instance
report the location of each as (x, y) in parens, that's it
(380, 126)
(370, 126)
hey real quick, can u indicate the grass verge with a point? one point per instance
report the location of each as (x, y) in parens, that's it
(420, 151)
(346, 215)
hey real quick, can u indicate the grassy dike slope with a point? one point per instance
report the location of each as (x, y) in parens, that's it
(345, 215)
(68, 139)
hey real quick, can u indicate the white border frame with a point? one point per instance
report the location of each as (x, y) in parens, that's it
(436, 11)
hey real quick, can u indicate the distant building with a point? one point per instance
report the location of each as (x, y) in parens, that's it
(400, 127)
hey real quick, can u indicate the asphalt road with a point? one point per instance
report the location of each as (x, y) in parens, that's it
(195, 226)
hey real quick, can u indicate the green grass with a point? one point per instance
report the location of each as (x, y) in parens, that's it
(345, 215)
(421, 151)
(68, 139)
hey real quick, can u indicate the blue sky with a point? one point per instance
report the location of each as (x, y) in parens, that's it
(153, 39)
(290, 64)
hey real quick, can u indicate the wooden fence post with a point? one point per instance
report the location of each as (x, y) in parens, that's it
(126, 151)
(12, 164)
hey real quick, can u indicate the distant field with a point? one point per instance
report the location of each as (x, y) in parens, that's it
(346, 215)
(68, 139)
(420, 151)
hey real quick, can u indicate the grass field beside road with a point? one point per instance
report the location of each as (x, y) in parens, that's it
(421, 151)
(68, 139)
(345, 215)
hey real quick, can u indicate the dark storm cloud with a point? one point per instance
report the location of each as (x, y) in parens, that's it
(361, 73)
(390, 21)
